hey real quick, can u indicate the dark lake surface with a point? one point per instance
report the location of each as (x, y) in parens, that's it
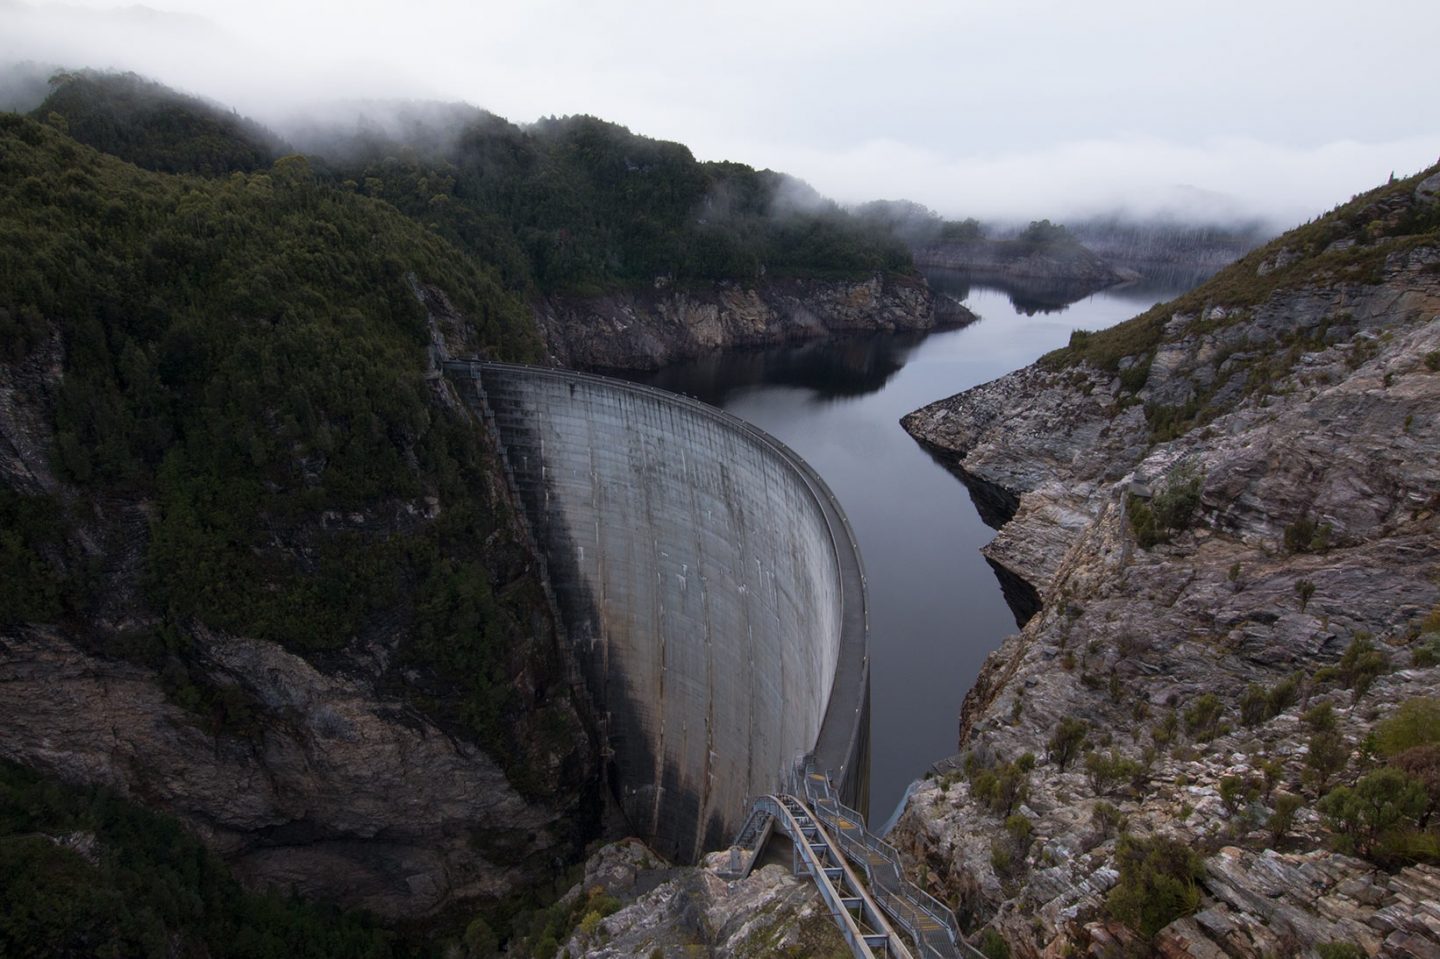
(936, 608)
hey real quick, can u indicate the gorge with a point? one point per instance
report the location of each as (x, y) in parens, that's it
(306, 628)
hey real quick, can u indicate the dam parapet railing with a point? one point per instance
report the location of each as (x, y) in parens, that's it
(710, 584)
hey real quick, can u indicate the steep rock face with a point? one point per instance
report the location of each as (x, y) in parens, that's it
(341, 793)
(1296, 427)
(644, 330)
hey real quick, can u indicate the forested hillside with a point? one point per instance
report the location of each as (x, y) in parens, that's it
(572, 204)
(217, 429)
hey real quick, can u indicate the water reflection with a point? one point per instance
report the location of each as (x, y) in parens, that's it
(1027, 297)
(827, 369)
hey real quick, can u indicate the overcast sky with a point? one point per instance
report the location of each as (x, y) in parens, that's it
(1013, 109)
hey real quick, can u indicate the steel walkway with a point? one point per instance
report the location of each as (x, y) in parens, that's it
(862, 924)
(819, 826)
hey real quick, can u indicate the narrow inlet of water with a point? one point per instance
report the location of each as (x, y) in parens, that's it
(935, 606)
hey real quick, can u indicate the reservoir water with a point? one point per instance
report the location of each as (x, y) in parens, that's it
(936, 608)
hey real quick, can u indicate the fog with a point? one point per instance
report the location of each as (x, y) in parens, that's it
(999, 110)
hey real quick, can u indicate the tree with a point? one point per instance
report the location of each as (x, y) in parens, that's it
(1325, 757)
(1283, 817)
(1422, 763)
(1378, 803)
(1067, 740)
(1158, 883)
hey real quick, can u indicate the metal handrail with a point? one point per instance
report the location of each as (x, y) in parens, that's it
(906, 899)
(790, 825)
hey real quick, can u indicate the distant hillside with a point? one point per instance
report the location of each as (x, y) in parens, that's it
(1186, 253)
(1043, 265)
(156, 128)
(570, 204)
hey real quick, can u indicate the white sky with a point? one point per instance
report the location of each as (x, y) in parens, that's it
(1012, 109)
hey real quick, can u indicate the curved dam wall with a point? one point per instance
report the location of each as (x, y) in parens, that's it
(709, 583)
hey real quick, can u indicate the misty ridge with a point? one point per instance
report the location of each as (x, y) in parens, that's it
(577, 204)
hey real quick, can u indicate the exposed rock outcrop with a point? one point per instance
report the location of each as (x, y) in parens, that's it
(682, 912)
(1228, 503)
(342, 793)
(649, 328)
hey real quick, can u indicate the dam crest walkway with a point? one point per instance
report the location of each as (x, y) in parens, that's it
(857, 873)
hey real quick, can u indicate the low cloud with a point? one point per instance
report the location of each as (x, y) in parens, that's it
(1219, 181)
(996, 109)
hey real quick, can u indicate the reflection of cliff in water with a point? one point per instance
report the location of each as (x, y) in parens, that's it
(1029, 295)
(1161, 283)
(832, 368)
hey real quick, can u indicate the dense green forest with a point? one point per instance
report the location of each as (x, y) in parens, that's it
(566, 205)
(246, 353)
(154, 127)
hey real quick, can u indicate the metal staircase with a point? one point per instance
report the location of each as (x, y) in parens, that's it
(830, 842)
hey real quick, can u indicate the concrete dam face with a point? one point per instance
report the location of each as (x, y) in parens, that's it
(709, 583)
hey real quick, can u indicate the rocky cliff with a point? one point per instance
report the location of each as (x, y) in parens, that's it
(630, 904)
(1228, 510)
(647, 329)
(336, 775)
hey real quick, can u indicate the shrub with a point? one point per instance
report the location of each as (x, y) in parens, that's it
(1003, 787)
(1170, 511)
(1425, 654)
(1304, 589)
(1305, 535)
(1002, 859)
(1283, 816)
(480, 939)
(1254, 705)
(1202, 719)
(1340, 950)
(1107, 771)
(993, 945)
(1021, 830)
(1283, 695)
(1270, 770)
(1163, 732)
(1432, 361)
(1107, 817)
(1361, 665)
(1415, 723)
(1067, 740)
(1158, 883)
(1236, 791)
(1422, 763)
(1320, 717)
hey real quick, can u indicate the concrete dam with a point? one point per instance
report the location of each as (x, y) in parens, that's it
(709, 583)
